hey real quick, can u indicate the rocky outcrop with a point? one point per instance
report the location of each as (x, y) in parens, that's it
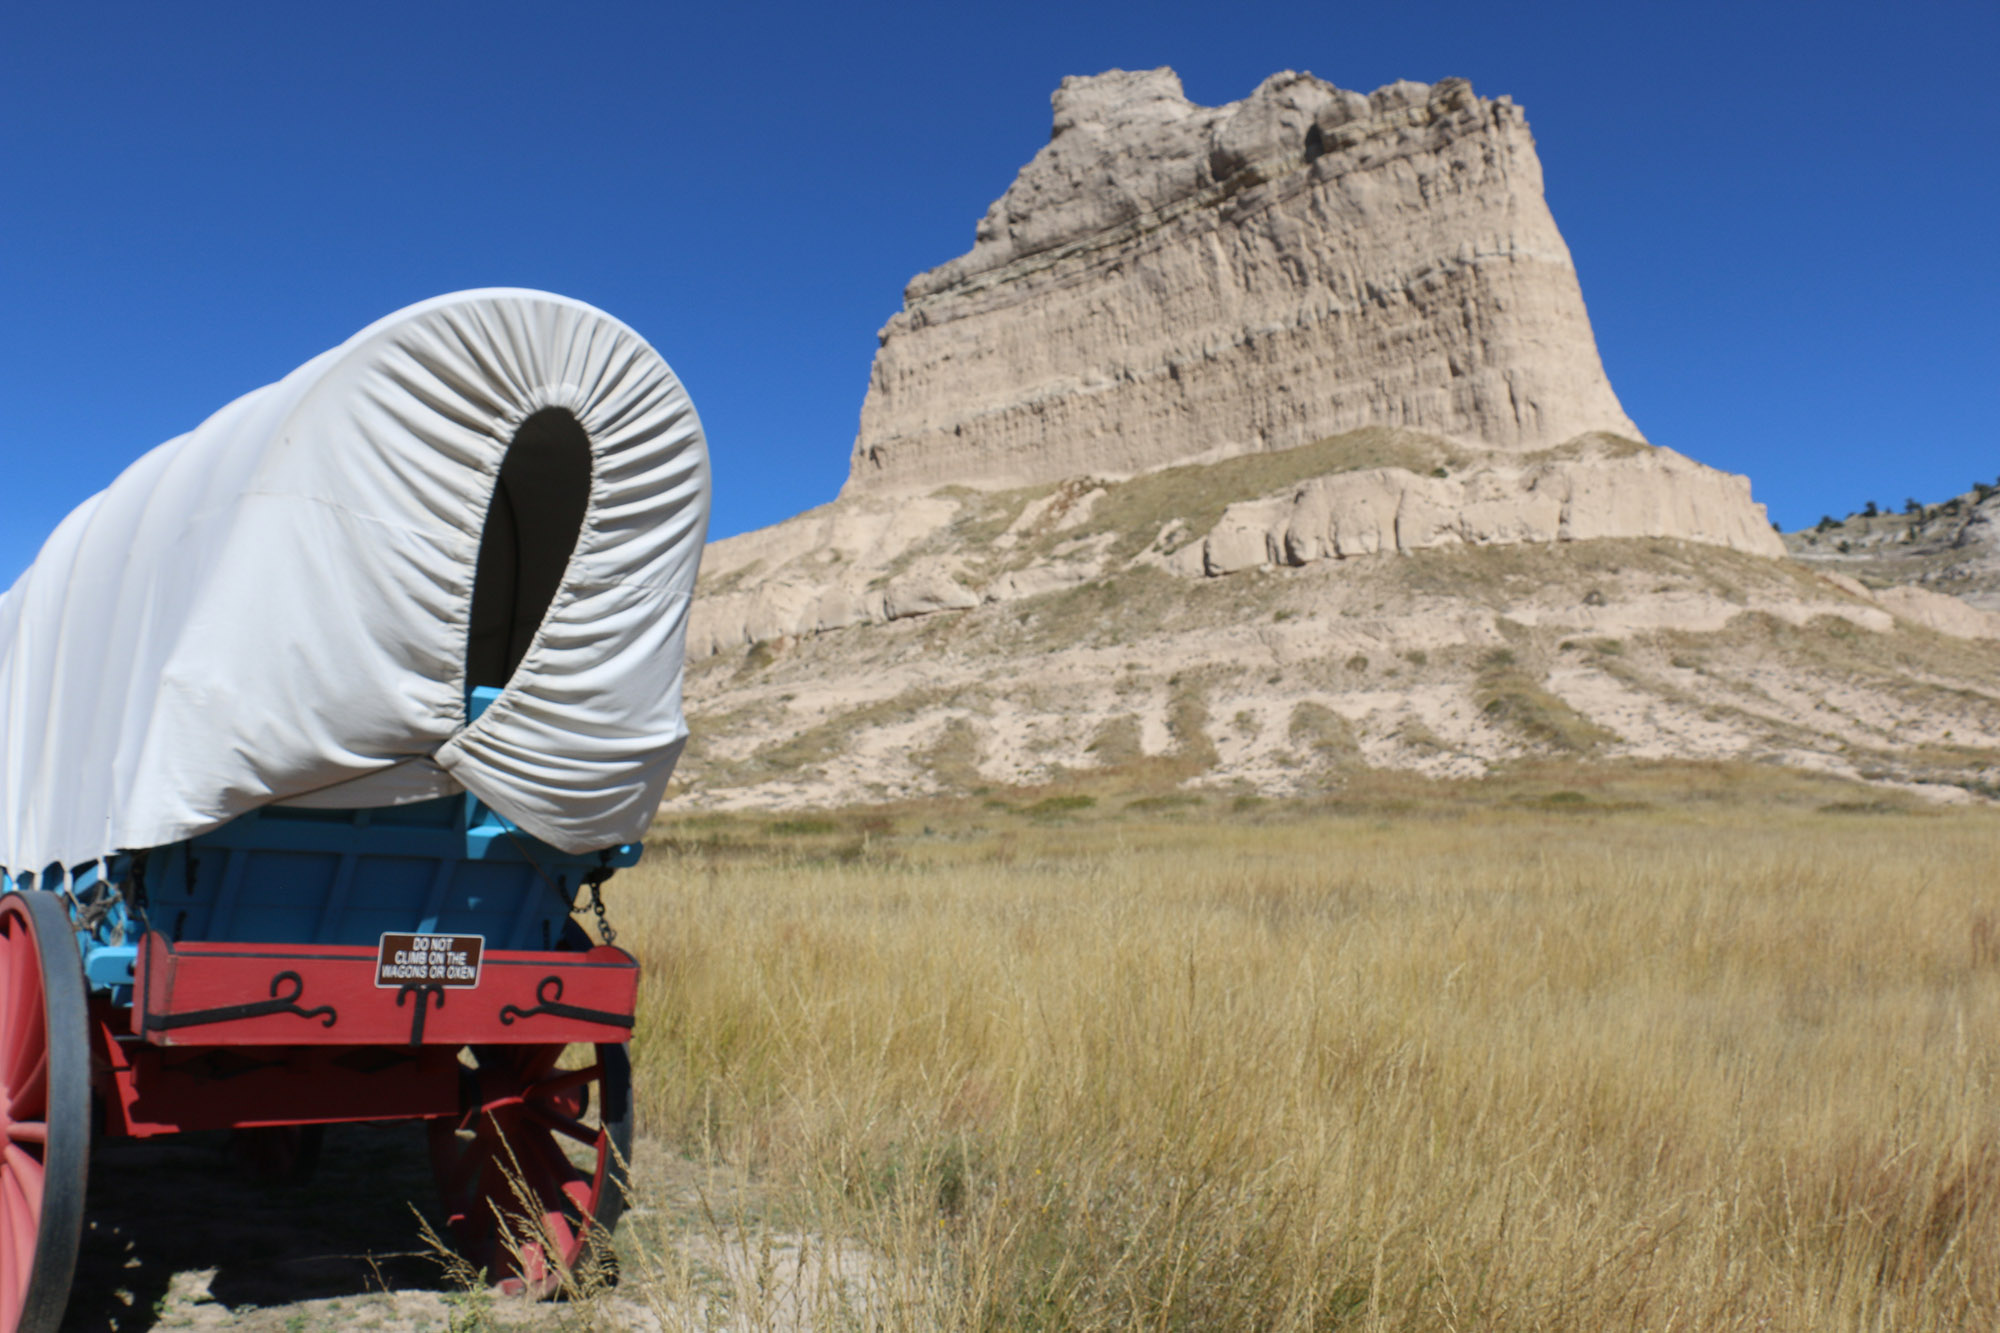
(1952, 547)
(871, 559)
(1167, 282)
(1608, 488)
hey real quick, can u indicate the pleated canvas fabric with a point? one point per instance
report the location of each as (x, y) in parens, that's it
(274, 607)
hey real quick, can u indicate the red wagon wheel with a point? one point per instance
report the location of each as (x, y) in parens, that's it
(519, 1203)
(44, 1110)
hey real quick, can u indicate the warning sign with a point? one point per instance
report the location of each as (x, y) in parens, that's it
(429, 960)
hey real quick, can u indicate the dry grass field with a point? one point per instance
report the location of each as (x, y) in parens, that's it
(1668, 1048)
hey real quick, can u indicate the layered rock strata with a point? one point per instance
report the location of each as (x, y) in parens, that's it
(872, 559)
(1166, 282)
(1606, 488)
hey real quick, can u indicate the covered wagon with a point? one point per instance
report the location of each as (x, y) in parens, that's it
(316, 728)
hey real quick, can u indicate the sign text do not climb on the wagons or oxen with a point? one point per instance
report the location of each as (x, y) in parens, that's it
(429, 960)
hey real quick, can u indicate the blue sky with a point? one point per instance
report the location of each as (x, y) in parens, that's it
(1784, 215)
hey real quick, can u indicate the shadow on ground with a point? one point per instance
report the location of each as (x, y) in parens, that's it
(176, 1215)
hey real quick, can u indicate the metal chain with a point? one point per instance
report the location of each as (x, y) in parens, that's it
(596, 880)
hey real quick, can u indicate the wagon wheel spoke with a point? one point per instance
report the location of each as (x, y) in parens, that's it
(568, 1126)
(541, 1166)
(22, 1183)
(31, 1094)
(27, 1043)
(13, 1260)
(550, 1191)
(541, 1241)
(557, 1168)
(13, 1269)
(581, 1191)
(568, 1081)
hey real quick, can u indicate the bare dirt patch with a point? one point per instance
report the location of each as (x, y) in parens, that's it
(180, 1237)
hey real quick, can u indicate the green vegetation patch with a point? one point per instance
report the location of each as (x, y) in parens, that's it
(1187, 723)
(1319, 730)
(806, 825)
(1116, 741)
(953, 758)
(1069, 804)
(817, 744)
(1509, 696)
(1136, 510)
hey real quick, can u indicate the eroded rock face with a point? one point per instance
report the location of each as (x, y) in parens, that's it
(1167, 282)
(870, 559)
(1601, 489)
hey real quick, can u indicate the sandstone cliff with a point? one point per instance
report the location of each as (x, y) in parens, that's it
(1255, 445)
(1166, 282)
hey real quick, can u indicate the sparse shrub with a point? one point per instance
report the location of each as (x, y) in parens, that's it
(1507, 696)
(1060, 805)
(1358, 662)
(1317, 728)
(1415, 735)
(953, 758)
(804, 826)
(1173, 800)
(1187, 723)
(1116, 741)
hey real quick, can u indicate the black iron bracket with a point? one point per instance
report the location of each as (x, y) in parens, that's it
(425, 995)
(280, 1002)
(549, 994)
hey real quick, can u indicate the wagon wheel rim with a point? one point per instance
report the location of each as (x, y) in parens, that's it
(517, 1206)
(44, 1110)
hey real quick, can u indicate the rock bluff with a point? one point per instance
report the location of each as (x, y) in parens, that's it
(1254, 447)
(1167, 282)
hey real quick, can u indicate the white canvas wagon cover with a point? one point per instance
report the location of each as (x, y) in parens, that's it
(278, 605)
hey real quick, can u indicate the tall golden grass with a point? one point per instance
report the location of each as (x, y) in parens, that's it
(1701, 1065)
